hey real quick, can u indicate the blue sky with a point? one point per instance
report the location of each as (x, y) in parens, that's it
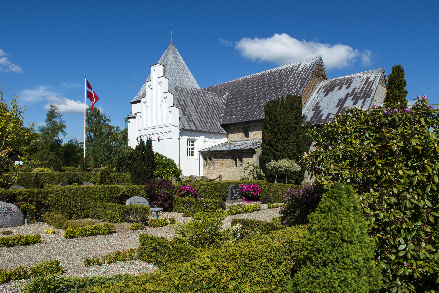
(48, 47)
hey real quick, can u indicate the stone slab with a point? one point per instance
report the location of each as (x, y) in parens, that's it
(10, 215)
(138, 200)
(235, 192)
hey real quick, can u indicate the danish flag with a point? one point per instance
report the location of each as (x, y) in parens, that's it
(91, 95)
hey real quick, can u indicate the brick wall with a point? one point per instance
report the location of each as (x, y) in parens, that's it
(236, 131)
(317, 76)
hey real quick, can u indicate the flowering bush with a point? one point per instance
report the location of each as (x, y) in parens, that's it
(299, 204)
(187, 191)
(250, 192)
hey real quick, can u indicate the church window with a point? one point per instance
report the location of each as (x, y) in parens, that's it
(240, 161)
(191, 148)
(246, 132)
(235, 161)
(211, 162)
(207, 162)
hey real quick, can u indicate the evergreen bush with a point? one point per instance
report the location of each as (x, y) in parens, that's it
(391, 158)
(160, 193)
(336, 253)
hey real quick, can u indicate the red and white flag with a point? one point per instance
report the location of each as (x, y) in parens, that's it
(91, 95)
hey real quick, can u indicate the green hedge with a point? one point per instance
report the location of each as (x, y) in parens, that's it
(89, 230)
(124, 255)
(74, 201)
(20, 240)
(219, 189)
(257, 264)
(38, 179)
(42, 269)
(117, 213)
(163, 252)
(192, 206)
(257, 226)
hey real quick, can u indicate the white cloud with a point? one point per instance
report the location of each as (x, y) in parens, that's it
(36, 95)
(283, 49)
(64, 105)
(41, 124)
(6, 65)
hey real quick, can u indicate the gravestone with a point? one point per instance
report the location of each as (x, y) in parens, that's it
(16, 187)
(63, 184)
(137, 200)
(10, 215)
(235, 192)
(87, 184)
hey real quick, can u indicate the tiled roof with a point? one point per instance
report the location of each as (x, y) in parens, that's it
(175, 70)
(331, 96)
(199, 110)
(248, 95)
(235, 146)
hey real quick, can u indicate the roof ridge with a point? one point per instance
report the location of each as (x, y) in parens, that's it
(269, 70)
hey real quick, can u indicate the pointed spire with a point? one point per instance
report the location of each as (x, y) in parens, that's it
(171, 33)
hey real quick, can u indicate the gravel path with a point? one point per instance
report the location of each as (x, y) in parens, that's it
(72, 252)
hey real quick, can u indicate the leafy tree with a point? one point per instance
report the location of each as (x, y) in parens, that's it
(72, 153)
(165, 167)
(396, 92)
(283, 136)
(284, 168)
(391, 159)
(50, 144)
(142, 166)
(335, 253)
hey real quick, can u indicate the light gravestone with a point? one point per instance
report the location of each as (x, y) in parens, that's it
(10, 215)
(235, 193)
(138, 200)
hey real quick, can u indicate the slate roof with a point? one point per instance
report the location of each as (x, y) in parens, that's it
(200, 110)
(175, 70)
(331, 96)
(247, 96)
(235, 146)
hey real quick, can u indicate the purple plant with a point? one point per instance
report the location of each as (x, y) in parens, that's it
(299, 203)
(187, 191)
(250, 192)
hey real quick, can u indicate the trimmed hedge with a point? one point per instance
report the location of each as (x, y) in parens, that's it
(20, 240)
(124, 255)
(163, 252)
(89, 230)
(257, 226)
(256, 264)
(243, 209)
(42, 269)
(188, 205)
(74, 201)
(219, 189)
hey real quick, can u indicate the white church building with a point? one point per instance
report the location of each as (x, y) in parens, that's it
(217, 130)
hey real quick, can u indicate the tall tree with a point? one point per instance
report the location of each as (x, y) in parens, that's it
(396, 92)
(72, 153)
(100, 138)
(50, 144)
(283, 136)
(142, 165)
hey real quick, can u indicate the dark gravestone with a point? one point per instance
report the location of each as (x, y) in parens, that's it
(137, 200)
(235, 192)
(10, 215)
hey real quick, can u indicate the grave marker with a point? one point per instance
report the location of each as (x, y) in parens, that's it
(138, 200)
(10, 215)
(235, 192)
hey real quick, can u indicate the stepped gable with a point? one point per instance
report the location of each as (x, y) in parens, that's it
(200, 110)
(331, 96)
(175, 70)
(235, 146)
(248, 95)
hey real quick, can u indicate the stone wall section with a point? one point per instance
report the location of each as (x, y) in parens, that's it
(237, 131)
(224, 163)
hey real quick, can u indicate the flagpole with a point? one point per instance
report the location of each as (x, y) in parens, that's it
(85, 108)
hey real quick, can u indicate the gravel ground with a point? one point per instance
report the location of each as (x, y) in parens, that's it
(72, 252)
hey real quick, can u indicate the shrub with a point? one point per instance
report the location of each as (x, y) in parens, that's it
(104, 177)
(42, 269)
(158, 222)
(160, 193)
(187, 191)
(191, 206)
(57, 220)
(165, 168)
(124, 255)
(163, 252)
(250, 192)
(336, 253)
(137, 226)
(284, 168)
(20, 240)
(256, 226)
(203, 230)
(266, 198)
(89, 230)
(391, 159)
(300, 203)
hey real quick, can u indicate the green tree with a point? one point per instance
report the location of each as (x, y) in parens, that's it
(165, 167)
(72, 153)
(396, 92)
(101, 138)
(142, 165)
(336, 253)
(283, 136)
(50, 144)
(391, 159)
